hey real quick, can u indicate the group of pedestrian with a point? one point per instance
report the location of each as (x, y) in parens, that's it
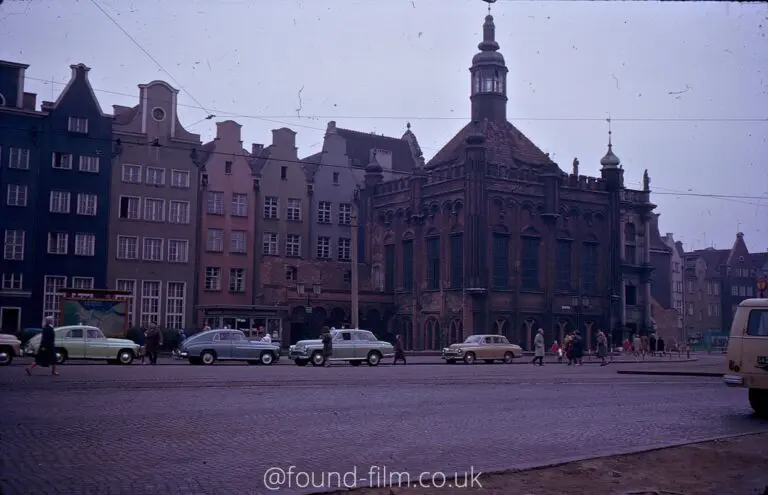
(572, 348)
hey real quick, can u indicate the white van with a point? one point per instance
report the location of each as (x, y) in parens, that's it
(748, 353)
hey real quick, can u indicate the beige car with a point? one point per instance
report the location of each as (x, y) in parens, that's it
(748, 353)
(488, 348)
(10, 347)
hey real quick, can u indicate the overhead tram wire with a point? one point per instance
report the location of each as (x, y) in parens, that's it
(669, 192)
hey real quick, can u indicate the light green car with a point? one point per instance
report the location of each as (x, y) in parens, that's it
(86, 342)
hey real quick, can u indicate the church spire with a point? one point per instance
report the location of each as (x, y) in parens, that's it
(489, 76)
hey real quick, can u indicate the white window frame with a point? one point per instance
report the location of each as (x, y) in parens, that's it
(52, 296)
(139, 210)
(212, 244)
(85, 244)
(124, 284)
(178, 251)
(344, 250)
(238, 235)
(59, 202)
(13, 249)
(18, 158)
(16, 195)
(157, 175)
(151, 316)
(131, 174)
(89, 285)
(212, 279)
(125, 256)
(293, 245)
(87, 204)
(237, 275)
(66, 160)
(12, 281)
(239, 205)
(345, 213)
(158, 209)
(60, 238)
(323, 251)
(179, 174)
(174, 208)
(293, 209)
(89, 163)
(175, 305)
(78, 125)
(270, 243)
(324, 212)
(148, 245)
(215, 200)
(271, 207)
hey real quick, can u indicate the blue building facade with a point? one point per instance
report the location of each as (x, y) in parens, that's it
(20, 155)
(66, 217)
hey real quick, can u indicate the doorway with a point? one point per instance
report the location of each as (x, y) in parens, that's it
(10, 319)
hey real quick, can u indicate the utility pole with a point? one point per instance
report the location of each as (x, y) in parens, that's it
(353, 247)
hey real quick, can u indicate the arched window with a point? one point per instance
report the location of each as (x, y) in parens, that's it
(630, 248)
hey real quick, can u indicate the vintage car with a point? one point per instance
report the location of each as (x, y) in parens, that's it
(87, 342)
(227, 345)
(10, 347)
(488, 348)
(352, 345)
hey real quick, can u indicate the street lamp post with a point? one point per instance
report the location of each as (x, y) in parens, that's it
(301, 290)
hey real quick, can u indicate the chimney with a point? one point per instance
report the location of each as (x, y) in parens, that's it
(29, 101)
(331, 127)
(256, 148)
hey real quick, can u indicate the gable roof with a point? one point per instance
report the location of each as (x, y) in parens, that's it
(80, 72)
(360, 144)
(504, 144)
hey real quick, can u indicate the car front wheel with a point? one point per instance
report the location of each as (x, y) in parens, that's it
(125, 357)
(469, 358)
(208, 357)
(61, 355)
(318, 359)
(267, 358)
(6, 357)
(509, 357)
(374, 358)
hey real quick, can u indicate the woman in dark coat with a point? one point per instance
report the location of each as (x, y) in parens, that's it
(46, 353)
(327, 346)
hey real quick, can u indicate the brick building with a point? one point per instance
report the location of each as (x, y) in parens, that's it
(492, 236)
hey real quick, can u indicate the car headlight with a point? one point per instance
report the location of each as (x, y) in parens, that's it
(459, 351)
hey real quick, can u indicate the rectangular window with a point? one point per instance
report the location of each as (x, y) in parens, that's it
(389, 268)
(212, 278)
(679, 307)
(734, 290)
(18, 158)
(630, 295)
(239, 205)
(717, 289)
(408, 265)
(284, 173)
(58, 243)
(500, 262)
(126, 285)
(178, 251)
(78, 125)
(689, 286)
(336, 178)
(228, 168)
(324, 212)
(742, 291)
(153, 249)
(690, 309)
(155, 176)
(59, 202)
(293, 245)
(345, 249)
(323, 247)
(293, 209)
(457, 261)
(215, 203)
(175, 296)
(127, 248)
(178, 212)
(16, 195)
(237, 280)
(563, 261)
(269, 243)
(52, 286)
(530, 263)
(271, 207)
(150, 302)
(588, 275)
(131, 174)
(61, 161)
(13, 281)
(154, 210)
(717, 310)
(83, 283)
(238, 241)
(89, 164)
(345, 214)
(709, 309)
(749, 291)
(13, 245)
(215, 241)
(630, 254)
(433, 263)
(85, 244)
(180, 179)
(86, 204)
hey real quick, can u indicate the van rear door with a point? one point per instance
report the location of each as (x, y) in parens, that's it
(754, 349)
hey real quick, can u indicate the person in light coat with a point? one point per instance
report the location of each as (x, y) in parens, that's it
(538, 348)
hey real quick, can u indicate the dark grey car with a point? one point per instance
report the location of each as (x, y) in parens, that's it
(228, 345)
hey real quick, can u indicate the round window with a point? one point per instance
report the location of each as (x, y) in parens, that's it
(158, 114)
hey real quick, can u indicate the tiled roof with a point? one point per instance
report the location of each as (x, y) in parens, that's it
(125, 115)
(713, 258)
(257, 162)
(359, 145)
(504, 144)
(311, 164)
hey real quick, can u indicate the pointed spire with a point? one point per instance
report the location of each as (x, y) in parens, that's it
(489, 43)
(610, 160)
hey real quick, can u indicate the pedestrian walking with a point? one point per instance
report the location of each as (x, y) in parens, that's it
(637, 346)
(577, 349)
(538, 348)
(602, 347)
(154, 342)
(46, 353)
(399, 350)
(555, 349)
(327, 346)
(568, 351)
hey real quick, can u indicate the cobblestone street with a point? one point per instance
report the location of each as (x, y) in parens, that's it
(193, 429)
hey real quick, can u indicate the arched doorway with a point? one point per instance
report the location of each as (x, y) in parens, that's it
(299, 325)
(530, 327)
(456, 332)
(432, 333)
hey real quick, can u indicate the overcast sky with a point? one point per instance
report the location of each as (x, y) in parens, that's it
(373, 65)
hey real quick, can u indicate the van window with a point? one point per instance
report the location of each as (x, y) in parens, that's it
(758, 323)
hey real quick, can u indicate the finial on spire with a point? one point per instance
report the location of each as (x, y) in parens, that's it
(610, 145)
(489, 2)
(408, 125)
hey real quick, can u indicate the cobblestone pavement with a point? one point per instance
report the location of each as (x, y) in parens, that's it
(216, 430)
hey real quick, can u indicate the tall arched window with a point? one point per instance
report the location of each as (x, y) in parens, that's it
(630, 248)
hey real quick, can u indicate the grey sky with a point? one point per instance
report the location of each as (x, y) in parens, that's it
(373, 65)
